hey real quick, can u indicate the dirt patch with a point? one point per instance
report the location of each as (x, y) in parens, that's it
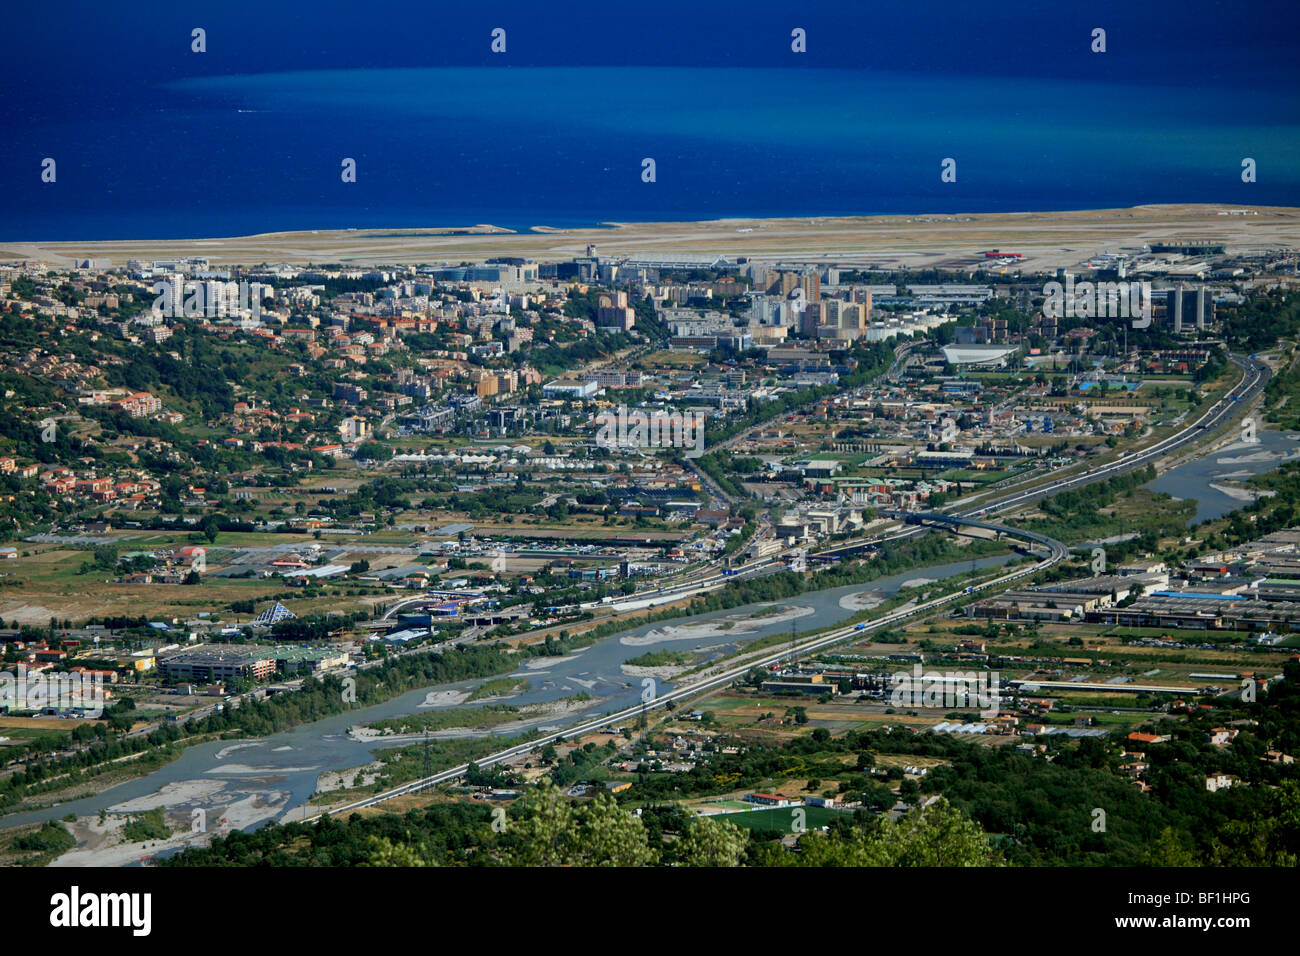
(101, 842)
(363, 776)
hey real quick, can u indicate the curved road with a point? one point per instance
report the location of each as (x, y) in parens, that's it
(1056, 552)
(1255, 377)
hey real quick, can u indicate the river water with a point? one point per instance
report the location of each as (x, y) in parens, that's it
(1231, 464)
(266, 778)
(247, 783)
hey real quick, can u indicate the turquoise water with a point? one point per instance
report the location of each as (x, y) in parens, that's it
(524, 146)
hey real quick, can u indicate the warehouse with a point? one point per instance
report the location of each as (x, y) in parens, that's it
(210, 665)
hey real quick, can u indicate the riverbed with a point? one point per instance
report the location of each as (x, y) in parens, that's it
(272, 778)
(1215, 481)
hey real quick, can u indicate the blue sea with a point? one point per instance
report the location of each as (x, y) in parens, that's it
(154, 141)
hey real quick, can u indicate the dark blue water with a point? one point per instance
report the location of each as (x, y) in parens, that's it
(153, 141)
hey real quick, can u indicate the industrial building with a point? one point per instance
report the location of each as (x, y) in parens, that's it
(208, 665)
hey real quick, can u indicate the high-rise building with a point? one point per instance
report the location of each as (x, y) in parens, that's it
(842, 319)
(485, 383)
(613, 312)
(811, 283)
(1183, 307)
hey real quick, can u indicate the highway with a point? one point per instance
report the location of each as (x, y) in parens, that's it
(719, 498)
(1255, 376)
(1057, 552)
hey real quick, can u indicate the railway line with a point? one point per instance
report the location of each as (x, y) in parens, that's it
(1255, 376)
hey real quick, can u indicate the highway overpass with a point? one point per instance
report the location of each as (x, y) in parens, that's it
(1057, 552)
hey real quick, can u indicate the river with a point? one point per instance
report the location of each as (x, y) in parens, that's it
(1232, 463)
(252, 781)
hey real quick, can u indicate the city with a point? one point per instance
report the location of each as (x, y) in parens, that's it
(429, 511)
(441, 443)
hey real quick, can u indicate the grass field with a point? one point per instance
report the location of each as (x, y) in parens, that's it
(16, 734)
(49, 584)
(741, 715)
(983, 477)
(731, 804)
(780, 818)
(673, 360)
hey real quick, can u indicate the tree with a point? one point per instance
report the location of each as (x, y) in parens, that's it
(855, 848)
(1168, 849)
(877, 796)
(544, 833)
(374, 451)
(550, 832)
(610, 835)
(937, 835)
(384, 852)
(706, 842)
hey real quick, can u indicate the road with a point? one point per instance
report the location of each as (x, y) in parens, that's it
(1057, 552)
(1255, 376)
(720, 499)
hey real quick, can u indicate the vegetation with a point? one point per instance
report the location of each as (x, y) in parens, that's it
(149, 825)
(500, 687)
(545, 829)
(663, 658)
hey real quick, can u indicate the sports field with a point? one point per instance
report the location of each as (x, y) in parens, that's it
(781, 818)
